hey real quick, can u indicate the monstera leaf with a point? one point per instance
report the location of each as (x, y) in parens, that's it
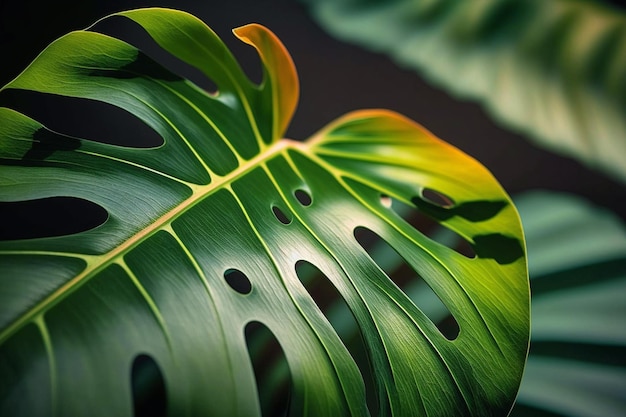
(208, 237)
(577, 264)
(553, 69)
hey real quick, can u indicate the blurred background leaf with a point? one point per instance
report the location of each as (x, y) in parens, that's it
(577, 265)
(554, 70)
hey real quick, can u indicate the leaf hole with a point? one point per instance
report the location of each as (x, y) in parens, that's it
(420, 221)
(132, 33)
(271, 370)
(341, 318)
(280, 215)
(148, 387)
(437, 198)
(83, 118)
(238, 281)
(432, 229)
(453, 240)
(408, 280)
(49, 217)
(303, 197)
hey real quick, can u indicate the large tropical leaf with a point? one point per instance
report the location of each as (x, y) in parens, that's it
(577, 265)
(554, 69)
(208, 236)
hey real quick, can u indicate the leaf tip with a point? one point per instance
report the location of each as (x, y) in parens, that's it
(280, 72)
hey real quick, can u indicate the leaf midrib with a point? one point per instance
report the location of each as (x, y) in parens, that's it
(96, 263)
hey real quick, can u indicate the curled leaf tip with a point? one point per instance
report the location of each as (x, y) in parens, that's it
(280, 72)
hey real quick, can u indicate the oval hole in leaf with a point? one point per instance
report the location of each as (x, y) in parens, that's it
(49, 217)
(454, 241)
(303, 197)
(148, 386)
(339, 315)
(280, 215)
(437, 198)
(82, 118)
(130, 32)
(408, 280)
(420, 221)
(238, 281)
(429, 227)
(271, 370)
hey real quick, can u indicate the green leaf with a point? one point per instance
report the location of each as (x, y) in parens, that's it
(555, 70)
(169, 302)
(577, 264)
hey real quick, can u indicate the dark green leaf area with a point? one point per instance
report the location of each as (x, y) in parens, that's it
(97, 360)
(25, 382)
(25, 280)
(217, 233)
(185, 301)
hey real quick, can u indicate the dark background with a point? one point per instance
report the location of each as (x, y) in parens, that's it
(335, 78)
